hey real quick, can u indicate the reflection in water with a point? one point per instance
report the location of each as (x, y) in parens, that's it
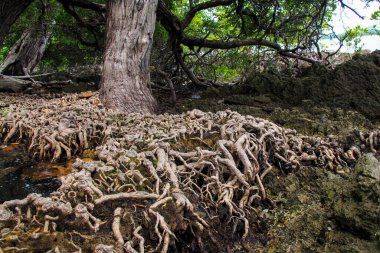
(19, 175)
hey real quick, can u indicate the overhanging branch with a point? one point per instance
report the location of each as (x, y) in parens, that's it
(100, 8)
(221, 44)
(203, 6)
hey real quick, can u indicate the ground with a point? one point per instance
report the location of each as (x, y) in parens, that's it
(317, 102)
(195, 181)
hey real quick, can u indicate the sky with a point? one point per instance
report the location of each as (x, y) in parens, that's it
(345, 18)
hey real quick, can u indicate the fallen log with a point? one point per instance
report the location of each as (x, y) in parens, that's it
(15, 84)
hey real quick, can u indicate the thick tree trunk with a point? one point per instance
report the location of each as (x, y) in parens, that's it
(27, 52)
(10, 10)
(129, 36)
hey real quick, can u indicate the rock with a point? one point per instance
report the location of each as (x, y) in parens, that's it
(264, 99)
(247, 100)
(343, 87)
(195, 96)
(320, 211)
(356, 203)
(368, 169)
(291, 188)
(307, 102)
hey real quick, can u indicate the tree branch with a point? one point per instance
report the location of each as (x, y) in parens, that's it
(170, 22)
(203, 6)
(188, 72)
(300, 57)
(220, 44)
(100, 8)
(350, 8)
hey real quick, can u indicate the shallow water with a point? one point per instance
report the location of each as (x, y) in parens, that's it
(20, 175)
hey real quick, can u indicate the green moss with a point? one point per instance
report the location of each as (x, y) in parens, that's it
(339, 91)
(4, 111)
(319, 211)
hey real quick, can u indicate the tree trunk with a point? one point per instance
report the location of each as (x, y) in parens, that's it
(26, 53)
(10, 10)
(129, 35)
(28, 50)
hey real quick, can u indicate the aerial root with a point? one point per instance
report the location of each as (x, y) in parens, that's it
(140, 238)
(12, 131)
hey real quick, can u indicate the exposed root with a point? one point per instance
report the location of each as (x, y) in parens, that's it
(48, 219)
(166, 173)
(140, 238)
(126, 195)
(85, 217)
(116, 229)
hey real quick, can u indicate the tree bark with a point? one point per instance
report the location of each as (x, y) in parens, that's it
(10, 10)
(129, 34)
(28, 50)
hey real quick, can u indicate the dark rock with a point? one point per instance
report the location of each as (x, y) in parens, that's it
(356, 202)
(343, 87)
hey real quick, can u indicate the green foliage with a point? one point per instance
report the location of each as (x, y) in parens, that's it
(27, 19)
(375, 15)
(222, 65)
(3, 53)
(64, 48)
(289, 23)
(353, 37)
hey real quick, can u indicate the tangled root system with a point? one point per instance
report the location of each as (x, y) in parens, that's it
(161, 183)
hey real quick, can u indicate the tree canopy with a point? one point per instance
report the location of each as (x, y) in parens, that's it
(289, 28)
